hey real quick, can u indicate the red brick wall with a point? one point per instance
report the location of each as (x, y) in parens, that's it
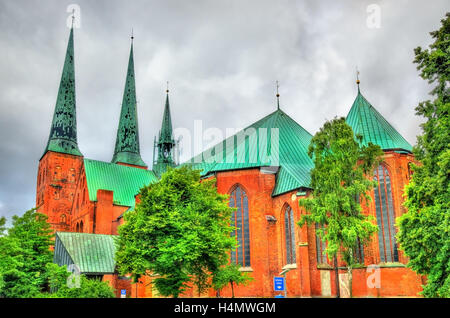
(57, 178)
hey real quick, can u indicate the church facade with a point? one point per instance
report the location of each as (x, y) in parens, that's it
(85, 199)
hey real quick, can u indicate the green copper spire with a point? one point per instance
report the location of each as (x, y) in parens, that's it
(63, 132)
(127, 142)
(368, 122)
(165, 143)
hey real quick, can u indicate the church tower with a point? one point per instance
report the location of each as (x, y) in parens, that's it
(60, 164)
(127, 151)
(165, 145)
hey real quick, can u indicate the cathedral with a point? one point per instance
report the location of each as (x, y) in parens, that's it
(85, 199)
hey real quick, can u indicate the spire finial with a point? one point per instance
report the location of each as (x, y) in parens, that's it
(167, 90)
(73, 16)
(278, 96)
(132, 35)
(357, 77)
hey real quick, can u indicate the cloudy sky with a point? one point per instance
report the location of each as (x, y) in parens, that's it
(221, 59)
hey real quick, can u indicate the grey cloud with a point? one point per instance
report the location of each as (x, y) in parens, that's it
(221, 58)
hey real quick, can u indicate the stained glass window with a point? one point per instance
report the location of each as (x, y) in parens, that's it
(320, 248)
(240, 219)
(384, 207)
(289, 235)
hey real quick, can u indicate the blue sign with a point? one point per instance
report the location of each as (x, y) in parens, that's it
(278, 283)
(123, 293)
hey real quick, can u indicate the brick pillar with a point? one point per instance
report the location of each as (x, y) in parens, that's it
(104, 212)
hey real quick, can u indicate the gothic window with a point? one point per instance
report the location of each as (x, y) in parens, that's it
(359, 252)
(57, 173)
(410, 171)
(78, 228)
(72, 175)
(320, 248)
(81, 226)
(240, 219)
(63, 218)
(289, 231)
(384, 207)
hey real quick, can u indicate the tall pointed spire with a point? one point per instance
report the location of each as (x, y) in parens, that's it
(127, 148)
(63, 131)
(165, 143)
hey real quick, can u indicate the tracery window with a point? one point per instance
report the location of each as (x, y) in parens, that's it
(289, 231)
(320, 248)
(385, 213)
(240, 219)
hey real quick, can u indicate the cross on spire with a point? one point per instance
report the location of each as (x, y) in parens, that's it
(278, 96)
(73, 16)
(357, 77)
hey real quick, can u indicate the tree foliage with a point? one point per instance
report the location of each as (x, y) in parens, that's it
(340, 180)
(88, 288)
(26, 268)
(424, 230)
(24, 254)
(180, 231)
(230, 274)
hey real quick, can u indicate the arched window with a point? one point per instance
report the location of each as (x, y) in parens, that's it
(57, 173)
(81, 226)
(72, 175)
(384, 207)
(289, 235)
(78, 228)
(320, 248)
(410, 171)
(240, 219)
(63, 218)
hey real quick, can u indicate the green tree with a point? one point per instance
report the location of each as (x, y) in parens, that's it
(230, 274)
(340, 182)
(424, 230)
(24, 254)
(180, 230)
(59, 288)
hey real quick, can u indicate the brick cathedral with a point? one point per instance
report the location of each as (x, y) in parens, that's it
(85, 199)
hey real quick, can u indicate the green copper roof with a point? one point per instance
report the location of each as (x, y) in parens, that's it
(92, 253)
(293, 159)
(368, 122)
(127, 141)
(63, 132)
(123, 180)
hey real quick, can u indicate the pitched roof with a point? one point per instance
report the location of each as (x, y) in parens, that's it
(368, 122)
(127, 148)
(63, 131)
(240, 153)
(92, 253)
(123, 180)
